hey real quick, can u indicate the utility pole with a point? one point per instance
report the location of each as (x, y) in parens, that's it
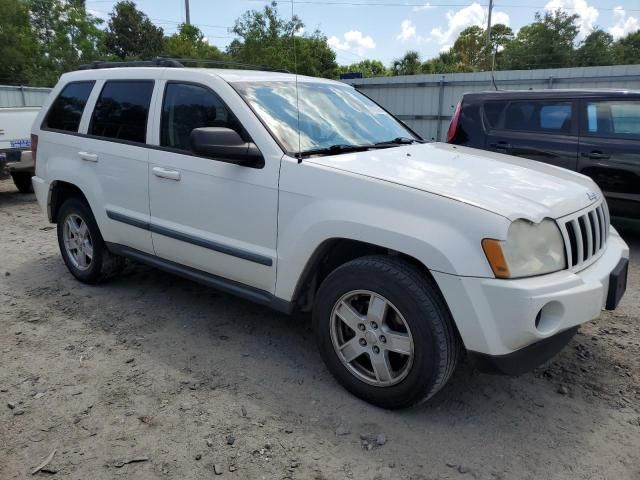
(488, 22)
(188, 21)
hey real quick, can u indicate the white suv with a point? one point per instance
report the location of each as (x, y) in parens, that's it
(302, 193)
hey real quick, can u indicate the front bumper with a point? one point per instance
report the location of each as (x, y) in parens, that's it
(499, 317)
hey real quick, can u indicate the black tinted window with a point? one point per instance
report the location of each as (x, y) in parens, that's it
(66, 111)
(122, 109)
(538, 116)
(493, 113)
(186, 107)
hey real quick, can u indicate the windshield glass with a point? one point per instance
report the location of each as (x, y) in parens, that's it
(330, 114)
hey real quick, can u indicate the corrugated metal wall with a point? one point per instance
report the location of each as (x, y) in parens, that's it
(426, 102)
(17, 96)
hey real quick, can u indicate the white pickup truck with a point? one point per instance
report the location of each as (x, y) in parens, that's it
(302, 194)
(15, 138)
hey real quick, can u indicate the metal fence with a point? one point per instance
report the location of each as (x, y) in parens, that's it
(20, 96)
(426, 102)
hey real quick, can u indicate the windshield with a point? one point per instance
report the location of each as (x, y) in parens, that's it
(330, 114)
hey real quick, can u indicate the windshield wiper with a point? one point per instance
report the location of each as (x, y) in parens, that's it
(336, 149)
(398, 141)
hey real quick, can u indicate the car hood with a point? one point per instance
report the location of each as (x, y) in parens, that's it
(509, 186)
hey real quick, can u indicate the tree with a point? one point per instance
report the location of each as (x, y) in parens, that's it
(18, 45)
(368, 68)
(189, 42)
(267, 39)
(409, 64)
(131, 35)
(66, 35)
(595, 50)
(545, 43)
(626, 50)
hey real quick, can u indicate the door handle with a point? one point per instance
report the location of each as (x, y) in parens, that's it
(164, 173)
(88, 157)
(596, 155)
(501, 145)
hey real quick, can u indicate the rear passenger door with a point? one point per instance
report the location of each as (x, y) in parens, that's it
(114, 147)
(542, 130)
(610, 151)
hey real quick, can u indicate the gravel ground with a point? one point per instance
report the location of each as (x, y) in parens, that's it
(151, 376)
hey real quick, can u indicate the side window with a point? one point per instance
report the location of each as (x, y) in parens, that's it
(493, 113)
(614, 118)
(185, 107)
(66, 111)
(122, 110)
(539, 116)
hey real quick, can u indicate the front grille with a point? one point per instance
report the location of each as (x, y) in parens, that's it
(585, 235)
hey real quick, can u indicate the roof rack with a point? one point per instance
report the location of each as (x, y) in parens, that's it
(176, 63)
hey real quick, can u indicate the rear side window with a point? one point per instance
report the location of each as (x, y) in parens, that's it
(539, 116)
(66, 111)
(122, 110)
(187, 106)
(614, 118)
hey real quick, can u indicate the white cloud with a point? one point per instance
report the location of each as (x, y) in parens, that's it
(588, 14)
(474, 14)
(407, 31)
(624, 25)
(354, 41)
(426, 6)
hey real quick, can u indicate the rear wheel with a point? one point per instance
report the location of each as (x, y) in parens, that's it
(81, 245)
(385, 332)
(22, 180)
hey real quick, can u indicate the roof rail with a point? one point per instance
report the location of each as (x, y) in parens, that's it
(228, 63)
(157, 62)
(176, 63)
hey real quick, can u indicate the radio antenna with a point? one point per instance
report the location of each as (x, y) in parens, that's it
(295, 72)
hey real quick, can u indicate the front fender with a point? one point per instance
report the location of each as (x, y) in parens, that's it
(443, 234)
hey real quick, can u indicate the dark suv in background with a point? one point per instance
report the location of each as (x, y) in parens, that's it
(594, 132)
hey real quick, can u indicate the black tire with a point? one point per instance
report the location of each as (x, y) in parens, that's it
(103, 264)
(22, 180)
(435, 341)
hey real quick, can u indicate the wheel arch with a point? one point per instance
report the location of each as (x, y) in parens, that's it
(59, 191)
(331, 254)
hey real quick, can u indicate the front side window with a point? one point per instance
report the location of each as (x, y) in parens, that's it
(539, 116)
(187, 106)
(614, 118)
(66, 111)
(122, 110)
(326, 114)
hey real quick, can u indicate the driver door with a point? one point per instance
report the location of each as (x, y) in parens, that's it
(210, 215)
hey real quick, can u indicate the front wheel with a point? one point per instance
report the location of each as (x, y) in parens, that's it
(385, 332)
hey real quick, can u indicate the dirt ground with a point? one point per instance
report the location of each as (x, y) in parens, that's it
(188, 383)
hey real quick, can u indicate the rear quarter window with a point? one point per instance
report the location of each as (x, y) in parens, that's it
(537, 116)
(66, 110)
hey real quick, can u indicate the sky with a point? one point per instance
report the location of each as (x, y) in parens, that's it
(385, 29)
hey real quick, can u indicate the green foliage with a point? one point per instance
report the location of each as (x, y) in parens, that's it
(267, 39)
(409, 64)
(41, 39)
(595, 50)
(131, 35)
(626, 51)
(18, 44)
(189, 42)
(546, 43)
(368, 68)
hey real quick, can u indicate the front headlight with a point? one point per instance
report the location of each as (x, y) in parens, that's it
(530, 249)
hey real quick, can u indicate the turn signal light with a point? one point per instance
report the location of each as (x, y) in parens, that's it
(493, 251)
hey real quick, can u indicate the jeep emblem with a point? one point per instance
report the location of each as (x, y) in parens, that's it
(592, 196)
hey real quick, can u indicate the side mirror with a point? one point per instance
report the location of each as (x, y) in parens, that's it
(226, 145)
